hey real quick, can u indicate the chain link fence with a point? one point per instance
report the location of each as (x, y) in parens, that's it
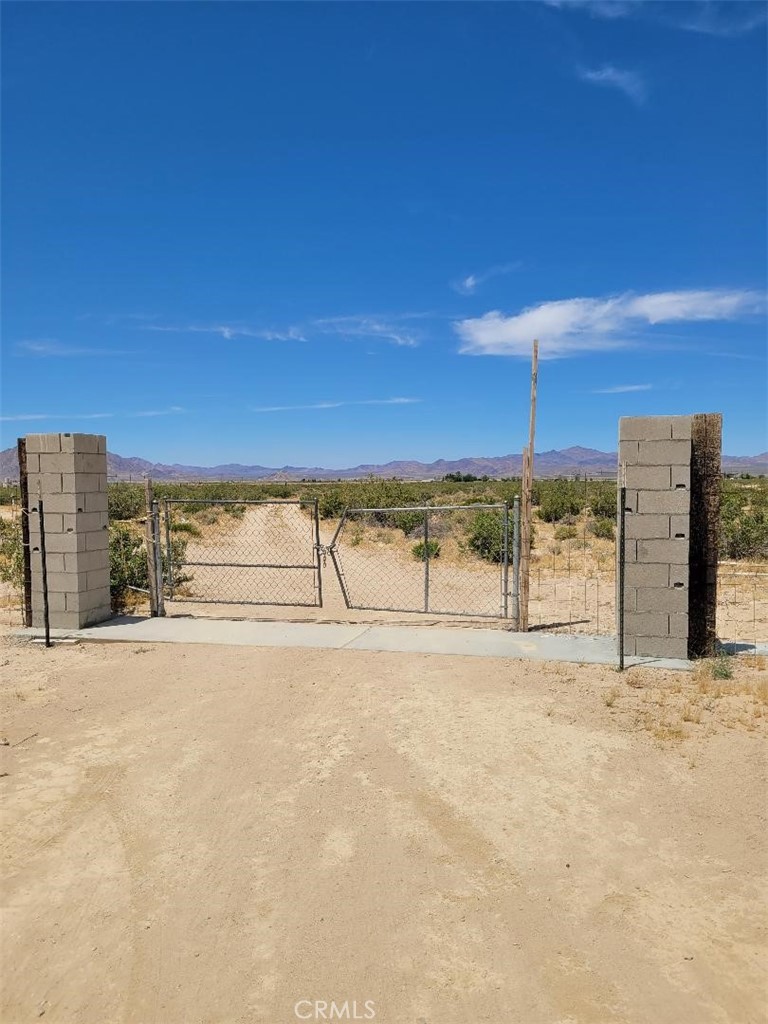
(242, 552)
(446, 560)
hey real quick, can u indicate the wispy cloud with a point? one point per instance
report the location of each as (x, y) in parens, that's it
(50, 347)
(609, 9)
(622, 389)
(172, 410)
(569, 326)
(336, 405)
(57, 417)
(231, 331)
(388, 329)
(722, 19)
(725, 18)
(629, 82)
(468, 285)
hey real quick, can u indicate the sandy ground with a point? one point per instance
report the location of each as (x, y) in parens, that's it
(200, 835)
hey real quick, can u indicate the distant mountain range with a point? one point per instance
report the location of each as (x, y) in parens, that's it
(567, 462)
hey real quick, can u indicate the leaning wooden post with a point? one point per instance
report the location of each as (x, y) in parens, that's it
(150, 546)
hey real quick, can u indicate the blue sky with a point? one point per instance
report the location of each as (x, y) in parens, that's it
(326, 233)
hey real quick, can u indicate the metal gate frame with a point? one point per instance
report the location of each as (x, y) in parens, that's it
(314, 565)
(332, 550)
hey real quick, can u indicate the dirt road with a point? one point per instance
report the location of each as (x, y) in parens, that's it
(200, 835)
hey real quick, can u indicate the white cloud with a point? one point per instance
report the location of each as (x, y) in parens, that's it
(46, 347)
(336, 405)
(725, 18)
(469, 285)
(629, 82)
(63, 416)
(231, 331)
(609, 9)
(622, 389)
(568, 326)
(171, 411)
(56, 416)
(387, 329)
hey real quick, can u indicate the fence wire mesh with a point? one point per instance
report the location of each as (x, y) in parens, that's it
(742, 601)
(448, 560)
(242, 552)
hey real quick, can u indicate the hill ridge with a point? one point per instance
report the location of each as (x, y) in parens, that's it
(555, 462)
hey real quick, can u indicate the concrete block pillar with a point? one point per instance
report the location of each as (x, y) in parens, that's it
(69, 472)
(672, 475)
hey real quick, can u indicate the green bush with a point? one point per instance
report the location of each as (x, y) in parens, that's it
(9, 493)
(11, 553)
(126, 501)
(186, 526)
(128, 569)
(422, 551)
(602, 499)
(602, 528)
(127, 563)
(744, 520)
(332, 503)
(560, 498)
(486, 535)
(721, 667)
(408, 521)
(565, 532)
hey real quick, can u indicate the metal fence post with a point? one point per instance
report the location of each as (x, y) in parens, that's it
(44, 573)
(168, 549)
(318, 552)
(516, 561)
(26, 553)
(426, 560)
(158, 557)
(622, 522)
(505, 565)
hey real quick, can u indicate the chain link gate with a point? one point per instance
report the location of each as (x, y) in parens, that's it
(226, 551)
(417, 559)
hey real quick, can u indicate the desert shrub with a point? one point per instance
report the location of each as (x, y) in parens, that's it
(422, 551)
(331, 503)
(128, 569)
(486, 535)
(721, 667)
(11, 553)
(408, 521)
(602, 528)
(186, 526)
(126, 501)
(9, 493)
(565, 532)
(744, 520)
(235, 511)
(127, 563)
(559, 498)
(602, 499)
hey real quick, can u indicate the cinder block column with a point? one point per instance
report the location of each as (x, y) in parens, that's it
(69, 471)
(656, 454)
(670, 581)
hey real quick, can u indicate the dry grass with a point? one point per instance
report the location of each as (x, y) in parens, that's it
(702, 702)
(609, 698)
